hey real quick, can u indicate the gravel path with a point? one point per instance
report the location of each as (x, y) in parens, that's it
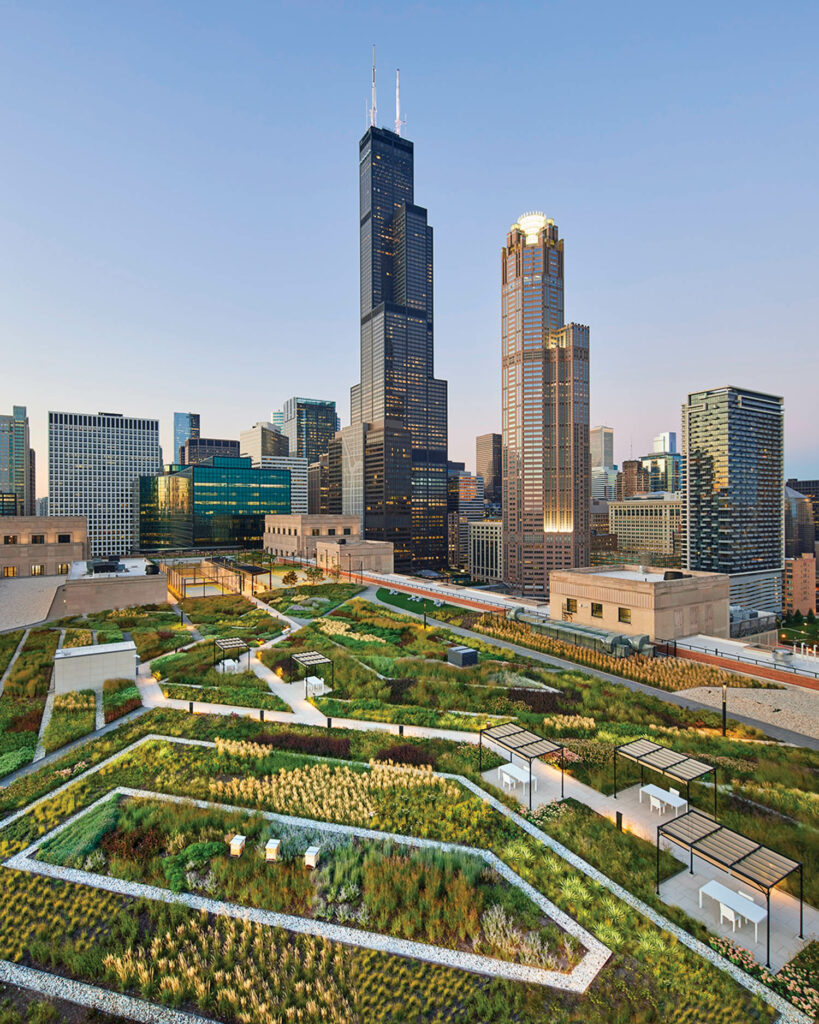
(793, 707)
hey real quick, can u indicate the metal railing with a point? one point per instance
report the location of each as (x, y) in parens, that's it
(672, 649)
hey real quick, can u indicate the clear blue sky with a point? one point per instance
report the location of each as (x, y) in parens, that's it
(178, 200)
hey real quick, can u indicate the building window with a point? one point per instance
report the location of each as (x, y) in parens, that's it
(624, 614)
(597, 610)
(315, 533)
(63, 538)
(10, 538)
(346, 531)
(331, 532)
(9, 570)
(38, 570)
(38, 538)
(571, 604)
(62, 568)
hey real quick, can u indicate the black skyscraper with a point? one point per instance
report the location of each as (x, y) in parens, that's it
(399, 398)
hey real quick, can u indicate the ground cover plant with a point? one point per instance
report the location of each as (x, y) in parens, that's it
(231, 615)
(31, 672)
(78, 638)
(72, 716)
(448, 898)
(9, 643)
(243, 689)
(119, 697)
(310, 600)
(24, 697)
(665, 673)
(440, 610)
(650, 977)
(154, 628)
(368, 709)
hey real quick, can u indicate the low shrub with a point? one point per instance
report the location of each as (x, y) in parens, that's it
(406, 753)
(15, 759)
(320, 746)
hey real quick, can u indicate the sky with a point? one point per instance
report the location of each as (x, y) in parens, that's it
(179, 201)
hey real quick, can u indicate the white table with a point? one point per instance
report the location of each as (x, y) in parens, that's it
(664, 796)
(511, 774)
(741, 904)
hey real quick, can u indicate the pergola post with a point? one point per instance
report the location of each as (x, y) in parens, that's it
(715, 795)
(530, 785)
(657, 885)
(562, 765)
(480, 750)
(768, 927)
(801, 901)
(615, 773)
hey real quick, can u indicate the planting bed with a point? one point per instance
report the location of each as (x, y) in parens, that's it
(447, 897)
(231, 615)
(246, 970)
(154, 628)
(72, 716)
(119, 696)
(24, 696)
(311, 600)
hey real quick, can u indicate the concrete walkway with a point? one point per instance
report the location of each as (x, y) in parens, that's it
(669, 697)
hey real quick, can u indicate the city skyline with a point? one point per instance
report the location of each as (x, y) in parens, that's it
(151, 284)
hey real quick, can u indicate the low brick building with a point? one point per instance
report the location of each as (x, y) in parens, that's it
(296, 536)
(41, 545)
(355, 556)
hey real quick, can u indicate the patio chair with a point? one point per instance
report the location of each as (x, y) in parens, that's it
(655, 803)
(726, 914)
(508, 781)
(673, 792)
(745, 895)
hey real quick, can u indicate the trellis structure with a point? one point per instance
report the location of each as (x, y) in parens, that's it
(518, 740)
(733, 852)
(667, 762)
(312, 659)
(229, 644)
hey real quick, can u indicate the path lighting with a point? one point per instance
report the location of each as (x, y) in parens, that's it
(724, 700)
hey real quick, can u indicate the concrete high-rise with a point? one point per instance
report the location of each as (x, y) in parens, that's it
(262, 439)
(734, 490)
(601, 442)
(665, 443)
(93, 463)
(17, 460)
(465, 504)
(489, 465)
(310, 425)
(399, 405)
(185, 427)
(545, 386)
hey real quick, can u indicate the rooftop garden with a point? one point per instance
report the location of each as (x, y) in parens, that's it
(231, 615)
(311, 600)
(192, 675)
(23, 699)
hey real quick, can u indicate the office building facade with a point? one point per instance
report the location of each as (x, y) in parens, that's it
(318, 486)
(664, 470)
(486, 550)
(202, 449)
(545, 398)
(800, 533)
(297, 468)
(810, 489)
(799, 584)
(221, 503)
(185, 426)
(465, 504)
(665, 443)
(733, 492)
(309, 424)
(489, 466)
(632, 479)
(17, 460)
(262, 439)
(398, 397)
(601, 443)
(93, 462)
(648, 528)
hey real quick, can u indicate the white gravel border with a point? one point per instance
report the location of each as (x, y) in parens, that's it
(577, 980)
(788, 1014)
(94, 997)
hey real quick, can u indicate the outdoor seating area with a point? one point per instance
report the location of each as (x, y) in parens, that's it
(310, 660)
(522, 743)
(670, 763)
(732, 853)
(234, 646)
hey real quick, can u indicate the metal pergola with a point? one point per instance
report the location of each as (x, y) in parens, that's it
(733, 852)
(228, 645)
(521, 741)
(312, 659)
(667, 762)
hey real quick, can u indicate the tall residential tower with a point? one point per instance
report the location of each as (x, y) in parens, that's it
(545, 392)
(734, 491)
(398, 411)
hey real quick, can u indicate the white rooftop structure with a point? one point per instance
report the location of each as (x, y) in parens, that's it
(630, 574)
(125, 567)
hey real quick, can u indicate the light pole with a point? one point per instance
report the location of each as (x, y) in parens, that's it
(724, 700)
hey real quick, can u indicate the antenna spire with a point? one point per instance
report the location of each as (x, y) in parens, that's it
(373, 105)
(399, 123)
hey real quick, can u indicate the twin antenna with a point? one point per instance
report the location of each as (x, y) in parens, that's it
(372, 114)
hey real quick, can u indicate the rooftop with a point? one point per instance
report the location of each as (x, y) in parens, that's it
(126, 567)
(76, 652)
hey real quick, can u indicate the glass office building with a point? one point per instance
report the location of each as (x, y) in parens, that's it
(399, 398)
(734, 491)
(17, 460)
(310, 426)
(216, 504)
(185, 427)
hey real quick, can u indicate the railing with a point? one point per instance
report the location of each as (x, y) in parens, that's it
(675, 649)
